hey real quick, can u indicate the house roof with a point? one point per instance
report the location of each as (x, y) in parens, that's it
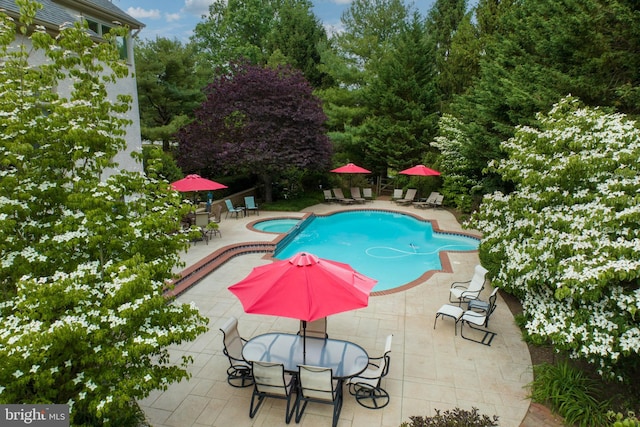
(57, 12)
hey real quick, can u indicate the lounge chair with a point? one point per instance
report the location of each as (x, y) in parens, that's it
(367, 193)
(355, 195)
(232, 209)
(340, 197)
(316, 384)
(428, 202)
(328, 197)
(408, 198)
(437, 203)
(460, 293)
(250, 205)
(366, 386)
(270, 380)
(477, 314)
(478, 319)
(397, 194)
(239, 371)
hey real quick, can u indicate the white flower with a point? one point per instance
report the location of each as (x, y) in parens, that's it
(18, 373)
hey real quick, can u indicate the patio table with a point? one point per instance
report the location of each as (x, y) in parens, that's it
(345, 358)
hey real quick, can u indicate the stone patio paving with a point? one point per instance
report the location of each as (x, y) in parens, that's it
(430, 368)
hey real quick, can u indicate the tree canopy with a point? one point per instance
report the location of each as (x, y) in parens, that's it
(257, 120)
(565, 240)
(275, 32)
(83, 319)
(169, 87)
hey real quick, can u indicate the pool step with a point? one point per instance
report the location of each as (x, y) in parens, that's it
(198, 271)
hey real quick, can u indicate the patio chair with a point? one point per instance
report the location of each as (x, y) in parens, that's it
(428, 202)
(216, 213)
(250, 205)
(340, 196)
(316, 384)
(460, 293)
(366, 386)
(270, 380)
(478, 320)
(397, 194)
(239, 371)
(355, 195)
(202, 219)
(316, 329)
(328, 197)
(232, 210)
(367, 193)
(408, 198)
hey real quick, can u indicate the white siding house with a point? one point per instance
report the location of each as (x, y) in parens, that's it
(100, 16)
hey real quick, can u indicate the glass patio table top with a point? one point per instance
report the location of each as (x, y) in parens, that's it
(345, 358)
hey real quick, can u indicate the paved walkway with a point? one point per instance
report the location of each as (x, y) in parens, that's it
(430, 368)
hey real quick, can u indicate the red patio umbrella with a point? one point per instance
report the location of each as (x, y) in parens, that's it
(303, 287)
(195, 182)
(350, 168)
(420, 170)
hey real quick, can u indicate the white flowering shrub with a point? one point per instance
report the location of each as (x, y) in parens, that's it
(84, 262)
(566, 241)
(458, 184)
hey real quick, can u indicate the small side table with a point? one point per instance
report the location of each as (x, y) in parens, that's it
(476, 304)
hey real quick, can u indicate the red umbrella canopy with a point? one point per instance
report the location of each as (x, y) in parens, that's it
(420, 170)
(196, 183)
(303, 287)
(350, 168)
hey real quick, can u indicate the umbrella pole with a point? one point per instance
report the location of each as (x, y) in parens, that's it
(304, 341)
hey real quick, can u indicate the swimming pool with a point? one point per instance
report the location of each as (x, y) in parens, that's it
(392, 247)
(277, 225)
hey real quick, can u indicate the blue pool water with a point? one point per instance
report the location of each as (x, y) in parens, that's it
(391, 247)
(278, 225)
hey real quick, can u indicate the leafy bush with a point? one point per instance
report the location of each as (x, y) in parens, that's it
(620, 420)
(569, 393)
(454, 418)
(565, 240)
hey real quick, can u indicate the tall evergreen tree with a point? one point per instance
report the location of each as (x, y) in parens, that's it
(534, 53)
(402, 103)
(355, 54)
(442, 24)
(169, 87)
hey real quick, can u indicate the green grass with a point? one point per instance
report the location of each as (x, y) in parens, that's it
(293, 205)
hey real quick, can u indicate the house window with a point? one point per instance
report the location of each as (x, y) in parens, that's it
(101, 29)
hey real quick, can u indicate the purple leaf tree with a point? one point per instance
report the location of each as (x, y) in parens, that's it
(257, 120)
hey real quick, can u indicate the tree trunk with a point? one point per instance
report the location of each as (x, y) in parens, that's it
(268, 187)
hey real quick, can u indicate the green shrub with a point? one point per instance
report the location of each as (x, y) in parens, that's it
(569, 393)
(620, 420)
(454, 418)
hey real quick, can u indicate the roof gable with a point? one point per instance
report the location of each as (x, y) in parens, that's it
(57, 12)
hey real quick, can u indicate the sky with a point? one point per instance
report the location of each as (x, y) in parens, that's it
(176, 19)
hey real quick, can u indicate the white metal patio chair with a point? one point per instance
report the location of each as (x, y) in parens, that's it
(239, 371)
(465, 291)
(366, 386)
(316, 384)
(270, 380)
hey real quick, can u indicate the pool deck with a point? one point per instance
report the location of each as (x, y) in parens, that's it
(430, 368)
